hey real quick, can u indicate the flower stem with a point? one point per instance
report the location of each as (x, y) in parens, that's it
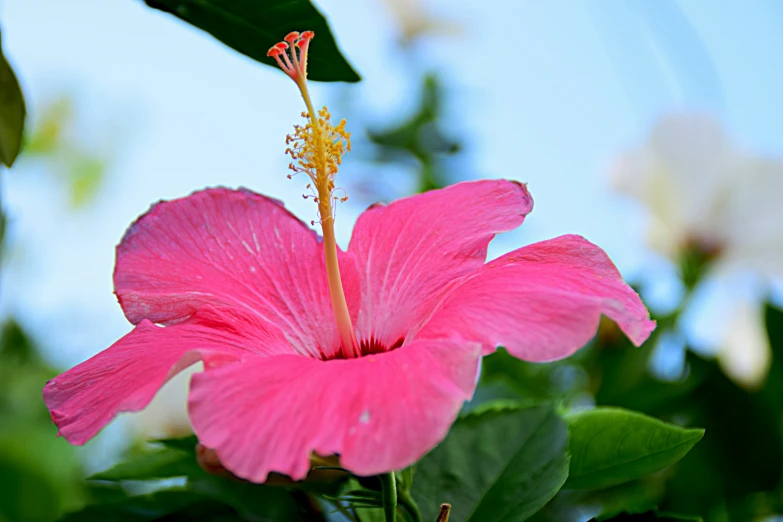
(389, 491)
(410, 506)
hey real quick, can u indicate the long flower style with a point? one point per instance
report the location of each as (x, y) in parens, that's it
(368, 353)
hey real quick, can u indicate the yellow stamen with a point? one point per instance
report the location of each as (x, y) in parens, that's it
(317, 149)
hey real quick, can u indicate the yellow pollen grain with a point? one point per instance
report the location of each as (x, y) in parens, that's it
(317, 149)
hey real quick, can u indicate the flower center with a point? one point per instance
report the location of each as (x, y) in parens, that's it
(317, 149)
(370, 346)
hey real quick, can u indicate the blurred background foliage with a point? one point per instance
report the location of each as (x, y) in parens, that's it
(734, 473)
(55, 143)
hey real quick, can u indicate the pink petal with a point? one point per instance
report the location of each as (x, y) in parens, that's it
(230, 248)
(541, 302)
(409, 250)
(379, 413)
(126, 376)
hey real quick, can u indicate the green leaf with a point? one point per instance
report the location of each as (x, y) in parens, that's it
(653, 516)
(256, 501)
(610, 446)
(12, 113)
(153, 465)
(187, 444)
(420, 136)
(25, 494)
(495, 395)
(637, 496)
(560, 381)
(171, 504)
(253, 26)
(495, 465)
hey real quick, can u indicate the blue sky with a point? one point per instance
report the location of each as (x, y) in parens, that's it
(545, 91)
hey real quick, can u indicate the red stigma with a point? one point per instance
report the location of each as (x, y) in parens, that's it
(293, 58)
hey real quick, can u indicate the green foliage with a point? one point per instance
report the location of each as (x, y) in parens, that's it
(632, 497)
(653, 516)
(420, 137)
(53, 141)
(202, 497)
(504, 376)
(252, 27)
(735, 471)
(185, 444)
(40, 475)
(610, 446)
(160, 464)
(12, 113)
(170, 505)
(51, 127)
(495, 465)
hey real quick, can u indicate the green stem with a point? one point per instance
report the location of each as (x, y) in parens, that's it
(410, 506)
(389, 490)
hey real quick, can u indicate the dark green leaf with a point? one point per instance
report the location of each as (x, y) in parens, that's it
(256, 501)
(495, 394)
(12, 113)
(153, 465)
(253, 26)
(714, 473)
(654, 516)
(610, 446)
(16, 349)
(371, 515)
(571, 505)
(26, 494)
(171, 504)
(187, 444)
(496, 465)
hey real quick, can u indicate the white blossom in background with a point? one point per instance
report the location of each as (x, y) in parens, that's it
(707, 197)
(413, 20)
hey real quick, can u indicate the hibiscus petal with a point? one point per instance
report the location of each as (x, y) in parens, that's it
(379, 413)
(230, 248)
(409, 250)
(126, 376)
(541, 302)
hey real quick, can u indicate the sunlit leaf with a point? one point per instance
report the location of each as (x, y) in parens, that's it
(50, 127)
(252, 27)
(85, 176)
(610, 446)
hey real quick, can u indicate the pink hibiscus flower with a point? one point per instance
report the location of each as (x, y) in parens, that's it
(367, 353)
